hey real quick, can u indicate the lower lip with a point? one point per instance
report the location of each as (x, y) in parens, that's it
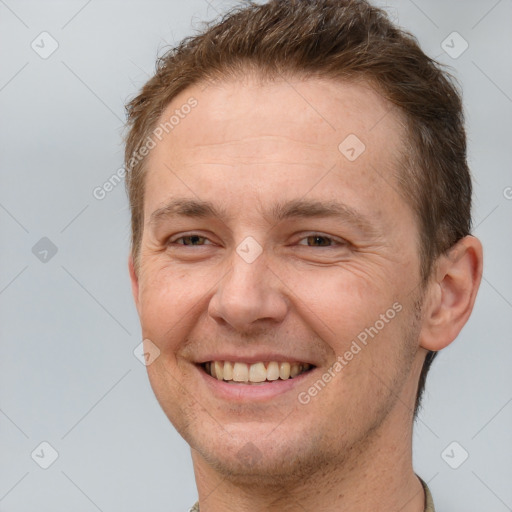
(250, 392)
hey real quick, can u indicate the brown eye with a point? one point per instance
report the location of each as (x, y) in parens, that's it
(319, 241)
(191, 240)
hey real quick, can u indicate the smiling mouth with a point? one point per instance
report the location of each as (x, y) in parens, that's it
(255, 373)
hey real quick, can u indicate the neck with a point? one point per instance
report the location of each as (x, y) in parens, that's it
(375, 475)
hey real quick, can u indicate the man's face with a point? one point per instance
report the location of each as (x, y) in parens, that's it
(280, 246)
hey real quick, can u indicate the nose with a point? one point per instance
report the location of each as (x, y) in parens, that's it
(249, 296)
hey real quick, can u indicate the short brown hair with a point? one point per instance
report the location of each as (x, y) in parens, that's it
(342, 40)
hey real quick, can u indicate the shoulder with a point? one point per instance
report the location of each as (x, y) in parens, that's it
(429, 502)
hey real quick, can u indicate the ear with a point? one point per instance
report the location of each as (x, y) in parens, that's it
(134, 280)
(451, 293)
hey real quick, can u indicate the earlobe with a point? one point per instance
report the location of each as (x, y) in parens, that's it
(134, 281)
(451, 293)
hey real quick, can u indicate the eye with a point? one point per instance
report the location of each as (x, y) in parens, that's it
(318, 240)
(190, 240)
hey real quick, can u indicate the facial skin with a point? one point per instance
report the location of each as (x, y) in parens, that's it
(249, 149)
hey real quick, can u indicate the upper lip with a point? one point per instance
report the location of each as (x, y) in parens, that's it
(254, 358)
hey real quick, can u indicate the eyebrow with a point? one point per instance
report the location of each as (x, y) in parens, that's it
(298, 208)
(186, 208)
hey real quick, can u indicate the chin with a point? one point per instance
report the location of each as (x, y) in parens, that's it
(250, 455)
(252, 466)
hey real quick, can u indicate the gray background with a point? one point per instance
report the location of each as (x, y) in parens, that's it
(68, 328)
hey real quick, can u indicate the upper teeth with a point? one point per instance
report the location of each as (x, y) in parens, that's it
(257, 372)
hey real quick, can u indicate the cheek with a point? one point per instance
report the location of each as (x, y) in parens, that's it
(169, 302)
(363, 321)
(339, 302)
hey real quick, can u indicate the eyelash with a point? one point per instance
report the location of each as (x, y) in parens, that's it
(333, 242)
(186, 236)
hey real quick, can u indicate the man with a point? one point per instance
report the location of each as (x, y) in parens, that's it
(300, 251)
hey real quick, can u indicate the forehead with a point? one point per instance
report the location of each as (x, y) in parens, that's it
(284, 106)
(285, 132)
